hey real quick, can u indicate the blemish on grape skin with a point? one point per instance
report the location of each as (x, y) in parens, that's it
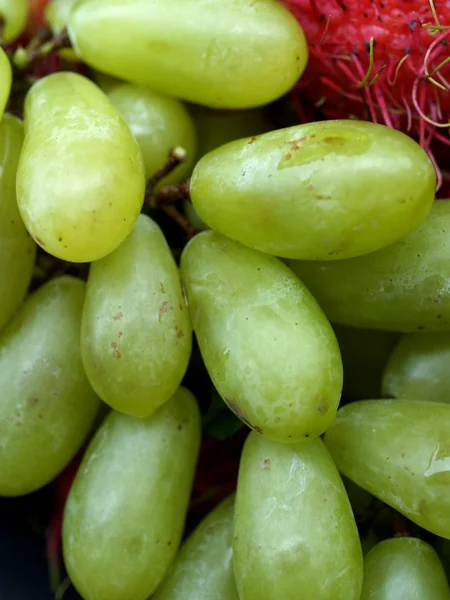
(118, 316)
(265, 464)
(162, 309)
(115, 353)
(162, 288)
(39, 241)
(180, 334)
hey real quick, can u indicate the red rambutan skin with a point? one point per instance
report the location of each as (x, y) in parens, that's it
(380, 60)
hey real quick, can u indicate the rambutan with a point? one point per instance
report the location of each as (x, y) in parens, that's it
(387, 61)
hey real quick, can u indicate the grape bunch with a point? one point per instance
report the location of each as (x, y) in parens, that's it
(223, 341)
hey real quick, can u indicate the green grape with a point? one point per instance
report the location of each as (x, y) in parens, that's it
(404, 569)
(5, 80)
(319, 191)
(17, 249)
(399, 451)
(403, 287)
(15, 15)
(47, 405)
(365, 353)
(203, 569)
(194, 49)
(136, 335)
(159, 123)
(418, 368)
(125, 513)
(80, 180)
(295, 535)
(268, 348)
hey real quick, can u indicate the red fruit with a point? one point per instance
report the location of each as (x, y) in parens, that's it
(35, 15)
(387, 61)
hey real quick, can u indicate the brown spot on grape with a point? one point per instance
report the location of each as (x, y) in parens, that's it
(323, 406)
(251, 141)
(32, 402)
(265, 464)
(181, 307)
(169, 543)
(115, 352)
(295, 144)
(180, 334)
(120, 334)
(403, 455)
(179, 426)
(162, 288)
(310, 187)
(162, 309)
(288, 156)
(118, 316)
(60, 239)
(39, 241)
(406, 468)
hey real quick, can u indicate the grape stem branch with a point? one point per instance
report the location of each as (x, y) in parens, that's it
(165, 199)
(39, 47)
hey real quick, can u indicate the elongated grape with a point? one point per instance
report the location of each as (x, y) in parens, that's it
(398, 450)
(418, 368)
(17, 249)
(126, 509)
(47, 405)
(319, 191)
(159, 123)
(404, 569)
(403, 287)
(365, 353)
(80, 181)
(295, 535)
(14, 14)
(136, 335)
(5, 80)
(268, 348)
(203, 570)
(194, 50)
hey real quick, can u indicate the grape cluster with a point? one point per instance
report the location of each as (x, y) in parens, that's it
(316, 273)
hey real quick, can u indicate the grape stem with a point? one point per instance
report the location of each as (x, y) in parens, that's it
(177, 156)
(165, 199)
(40, 47)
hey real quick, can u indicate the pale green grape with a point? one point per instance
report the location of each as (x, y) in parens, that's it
(403, 287)
(136, 335)
(268, 348)
(365, 353)
(404, 569)
(203, 570)
(5, 80)
(125, 513)
(47, 405)
(17, 249)
(295, 535)
(418, 368)
(80, 181)
(319, 191)
(226, 54)
(399, 451)
(159, 123)
(15, 14)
